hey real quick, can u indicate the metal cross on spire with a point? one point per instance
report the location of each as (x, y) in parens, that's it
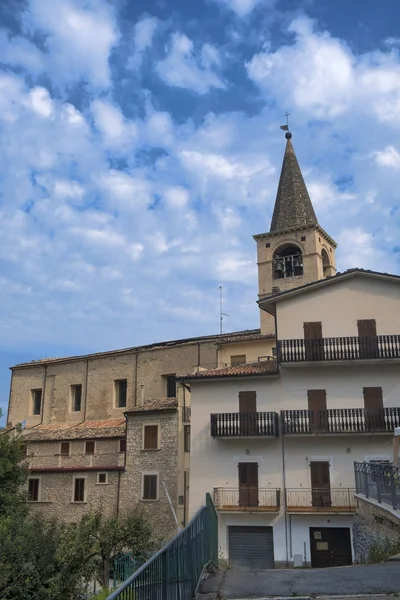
(286, 127)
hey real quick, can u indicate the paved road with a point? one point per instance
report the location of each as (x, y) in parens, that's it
(356, 580)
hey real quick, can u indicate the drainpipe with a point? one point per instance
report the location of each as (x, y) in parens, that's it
(86, 389)
(284, 491)
(44, 394)
(136, 372)
(118, 490)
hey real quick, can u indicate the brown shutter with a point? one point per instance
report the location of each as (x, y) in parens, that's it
(318, 415)
(247, 402)
(373, 399)
(320, 484)
(248, 484)
(366, 327)
(150, 437)
(316, 399)
(312, 330)
(238, 359)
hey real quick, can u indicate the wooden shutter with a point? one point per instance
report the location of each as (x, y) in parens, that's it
(320, 484)
(318, 416)
(316, 399)
(373, 399)
(312, 330)
(248, 484)
(247, 402)
(65, 448)
(79, 492)
(150, 437)
(150, 487)
(89, 447)
(366, 327)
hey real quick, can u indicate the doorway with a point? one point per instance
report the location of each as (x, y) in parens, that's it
(320, 484)
(248, 413)
(248, 484)
(318, 414)
(330, 546)
(374, 413)
(313, 341)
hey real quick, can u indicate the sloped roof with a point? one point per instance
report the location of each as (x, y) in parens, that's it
(264, 367)
(293, 206)
(215, 338)
(272, 298)
(154, 405)
(107, 428)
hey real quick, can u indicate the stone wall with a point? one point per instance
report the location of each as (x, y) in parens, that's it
(163, 462)
(56, 494)
(376, 532)
(97, 374)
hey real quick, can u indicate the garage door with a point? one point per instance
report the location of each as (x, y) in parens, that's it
(251, 547)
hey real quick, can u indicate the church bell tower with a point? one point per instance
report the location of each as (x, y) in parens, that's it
(296, 250)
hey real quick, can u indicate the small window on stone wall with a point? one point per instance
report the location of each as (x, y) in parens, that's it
(65, 448)
(150, 487)
(150, 437)
(121, 386)
(122, 445)
(90, 447)
(102, 478)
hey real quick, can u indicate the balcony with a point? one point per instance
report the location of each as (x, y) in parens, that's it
(340, 420)
(244, 425)
(339, 349)
(379, 481)
(320, 500)
(247, 499)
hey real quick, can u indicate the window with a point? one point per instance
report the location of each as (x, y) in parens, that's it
(89, 447)
(79, 489)
(181, 500)
(150, 485)
(120, 393)
(171, 386)
(287, 262)
(186, 442)
(76, 396)
(274, 352)
(150, 437)
(33, 490)
(122, 445)
(102, 478)
(239, 359)
(65, 448)
(36, 402)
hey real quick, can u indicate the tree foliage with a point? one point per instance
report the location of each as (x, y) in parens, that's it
(47, 559)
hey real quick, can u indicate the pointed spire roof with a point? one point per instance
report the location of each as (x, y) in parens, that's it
(293, 207)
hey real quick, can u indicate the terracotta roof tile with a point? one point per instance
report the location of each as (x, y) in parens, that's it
(155, 404)
(264, 367)
(107, 428)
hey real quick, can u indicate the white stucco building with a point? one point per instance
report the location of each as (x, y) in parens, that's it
(274, 441)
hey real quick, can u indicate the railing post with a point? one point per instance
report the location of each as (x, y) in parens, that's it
(393, 488)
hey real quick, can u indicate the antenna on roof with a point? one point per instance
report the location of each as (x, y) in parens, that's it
(221, 314)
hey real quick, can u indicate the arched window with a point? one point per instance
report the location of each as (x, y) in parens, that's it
(325, 261)
(287, 262)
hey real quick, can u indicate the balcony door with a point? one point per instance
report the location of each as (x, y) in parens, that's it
(318, 415)
(313, 341)
(248, 484)
(374, 413)
(248, 413)
(368, 341)
(320, 484)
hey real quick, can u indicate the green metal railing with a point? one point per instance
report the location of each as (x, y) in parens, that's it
(174, 572)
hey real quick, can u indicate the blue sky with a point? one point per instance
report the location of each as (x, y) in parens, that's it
(140, 151)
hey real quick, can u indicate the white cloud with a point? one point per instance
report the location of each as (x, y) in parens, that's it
(79, 39)
(389, 157)
(41, 101)
(143, 35)
(118, 132)
(181, 68)
(240, 7)
(321, 76)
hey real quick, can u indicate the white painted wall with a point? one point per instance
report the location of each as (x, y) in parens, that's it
(214, 462)
(339, 306)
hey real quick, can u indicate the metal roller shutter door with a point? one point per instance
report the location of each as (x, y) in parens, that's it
(251, 547)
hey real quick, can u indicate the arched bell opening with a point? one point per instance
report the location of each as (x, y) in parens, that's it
(327, 269)
(287, 262)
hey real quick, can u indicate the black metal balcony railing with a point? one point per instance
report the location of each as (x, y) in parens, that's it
(340, 420)
(247, 498)
(320, 499)
(339, 348)
(378, 480)
(244, 424)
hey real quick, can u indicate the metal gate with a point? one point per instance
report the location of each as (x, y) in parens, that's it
(330, 546)
(251, 547)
